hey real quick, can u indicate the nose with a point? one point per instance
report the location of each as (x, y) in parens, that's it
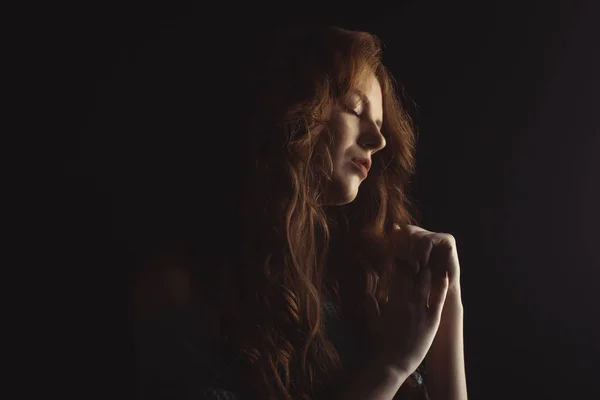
(371, 138)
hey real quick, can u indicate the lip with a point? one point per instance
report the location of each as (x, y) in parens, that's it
(366, 162)
(363, 164)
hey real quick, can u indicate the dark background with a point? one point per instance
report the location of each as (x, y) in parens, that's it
(507, 110)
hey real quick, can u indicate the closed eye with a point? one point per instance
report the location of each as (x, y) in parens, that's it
(352, 111)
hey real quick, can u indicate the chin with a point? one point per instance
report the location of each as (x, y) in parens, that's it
(342, 193)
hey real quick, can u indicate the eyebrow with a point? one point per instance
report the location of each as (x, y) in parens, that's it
(365, 99)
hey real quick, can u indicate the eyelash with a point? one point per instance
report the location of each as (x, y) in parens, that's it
(353, 112)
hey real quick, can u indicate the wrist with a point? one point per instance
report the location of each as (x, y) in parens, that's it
(454, 289)
(376, 380)
(452, 315)
(393, 372)
(454, 298)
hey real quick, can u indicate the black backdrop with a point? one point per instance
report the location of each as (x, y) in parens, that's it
(507, 109)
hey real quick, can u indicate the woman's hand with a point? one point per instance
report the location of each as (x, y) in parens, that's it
(419, 247)
(402, 330)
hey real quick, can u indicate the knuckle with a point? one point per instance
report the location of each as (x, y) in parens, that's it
(448, 238)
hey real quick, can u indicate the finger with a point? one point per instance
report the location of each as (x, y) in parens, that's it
(403, 249)
(437, 296)
(424, 285)
(422, 252)
(395, 288)
(408, 267)
(412, 246)
(438, 259)
(401, 286)
(401, 238)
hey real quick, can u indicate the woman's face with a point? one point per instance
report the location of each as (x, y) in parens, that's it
(355, 122)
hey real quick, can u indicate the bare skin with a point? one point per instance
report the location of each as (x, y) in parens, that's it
(356, 122)
(423, 316)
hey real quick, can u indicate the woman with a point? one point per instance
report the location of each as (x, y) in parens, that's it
(326, 289)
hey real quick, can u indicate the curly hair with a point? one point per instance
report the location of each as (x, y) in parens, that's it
(294, 249)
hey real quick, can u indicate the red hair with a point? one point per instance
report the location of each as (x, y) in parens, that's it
(292, 249)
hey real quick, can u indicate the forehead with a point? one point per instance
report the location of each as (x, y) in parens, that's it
(370, 87)
(369, 90)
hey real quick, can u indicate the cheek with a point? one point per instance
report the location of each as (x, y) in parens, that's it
(343, 136)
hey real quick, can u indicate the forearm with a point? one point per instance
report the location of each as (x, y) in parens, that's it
(376, 381)
(445, 365)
